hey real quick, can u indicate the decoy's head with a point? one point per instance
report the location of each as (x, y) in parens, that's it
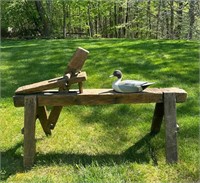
(117, 73)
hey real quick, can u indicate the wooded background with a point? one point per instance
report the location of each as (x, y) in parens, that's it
(140, 19)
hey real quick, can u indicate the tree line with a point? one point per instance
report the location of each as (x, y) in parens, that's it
(139, 19)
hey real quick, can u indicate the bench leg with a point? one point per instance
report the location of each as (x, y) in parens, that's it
(157, 118)
(54, 115)
(30, 112)
(42, 116)
(170, 127)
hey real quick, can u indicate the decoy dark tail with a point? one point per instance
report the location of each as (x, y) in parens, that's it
(145, 85)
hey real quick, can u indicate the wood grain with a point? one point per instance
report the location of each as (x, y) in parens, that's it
(101, 96)
(41, 86)
(42, 116)
(77, 61)
(170, 127)
(30, 111)
(157, 118)
(58, 82)
(53, 117)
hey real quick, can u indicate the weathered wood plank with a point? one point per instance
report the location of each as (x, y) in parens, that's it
(40, 86)
(157, 118)
(82, 76)
(42, 116)
(51, 83)
(170, 127)
(30, 111)
(77, 61)
(181, 95)
(100, 96)
(97, 98)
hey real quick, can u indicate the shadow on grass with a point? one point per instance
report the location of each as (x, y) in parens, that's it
(141, 152)
(11, 162)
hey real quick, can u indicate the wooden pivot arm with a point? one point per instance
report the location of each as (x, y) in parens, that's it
(43, 85)
(75, 65)
(58, 82)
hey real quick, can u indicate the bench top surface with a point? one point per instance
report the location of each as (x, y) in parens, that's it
(101, 96)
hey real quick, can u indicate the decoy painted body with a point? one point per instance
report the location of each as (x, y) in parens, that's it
(127, 86)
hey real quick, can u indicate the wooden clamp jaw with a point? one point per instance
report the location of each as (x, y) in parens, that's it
(73, 79)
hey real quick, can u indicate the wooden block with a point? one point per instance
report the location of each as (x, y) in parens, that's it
(82, 76)
(77, 61)
(170, 127)
(30, 111)
(42, 116)
(157, 118)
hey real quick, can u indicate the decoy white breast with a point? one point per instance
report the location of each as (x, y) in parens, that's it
(127, 86)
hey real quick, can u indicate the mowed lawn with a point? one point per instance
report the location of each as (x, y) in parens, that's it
(107, 143)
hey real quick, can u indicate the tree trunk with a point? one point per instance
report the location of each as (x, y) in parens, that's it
(89, 20)
(149, 19)
(115, 19)
(158, 19)
(49, 15)
(166, 17)
(126, 19)
(172, 19)
(111, 24)
(99, 20)
(64, 20)
(43, 19)
(120, 21)
(191, 18)
(180, 20)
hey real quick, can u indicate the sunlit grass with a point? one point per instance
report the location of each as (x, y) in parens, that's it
(106, 143)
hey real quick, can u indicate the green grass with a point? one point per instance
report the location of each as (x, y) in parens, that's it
(108, 143)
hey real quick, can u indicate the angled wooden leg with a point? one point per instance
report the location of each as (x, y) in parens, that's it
(42, 116)
(170, 127)
(56, 110)
(30, 112)
(54, 115)
(157, 118)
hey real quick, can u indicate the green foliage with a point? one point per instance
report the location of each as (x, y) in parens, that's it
(101, 143)
(169, 19)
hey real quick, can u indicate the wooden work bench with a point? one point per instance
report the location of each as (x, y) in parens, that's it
(164, 98)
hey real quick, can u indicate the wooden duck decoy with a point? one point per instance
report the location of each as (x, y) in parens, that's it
(128, 86)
